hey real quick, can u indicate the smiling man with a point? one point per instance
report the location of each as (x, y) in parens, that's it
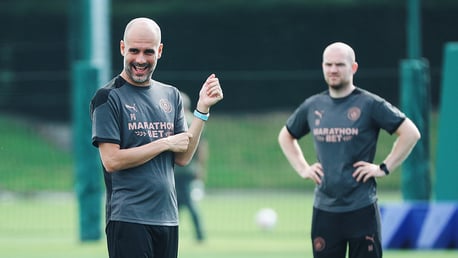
(139, 127)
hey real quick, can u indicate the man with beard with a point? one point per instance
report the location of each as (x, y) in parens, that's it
(345, 122)
(140, 129)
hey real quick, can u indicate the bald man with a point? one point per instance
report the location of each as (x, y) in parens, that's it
(344, 122)
(140, 129)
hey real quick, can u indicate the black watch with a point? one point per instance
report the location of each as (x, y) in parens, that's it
(384, 169)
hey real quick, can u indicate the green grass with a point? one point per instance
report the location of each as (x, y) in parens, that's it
(244, 153)
(47, 228)
(29, 162)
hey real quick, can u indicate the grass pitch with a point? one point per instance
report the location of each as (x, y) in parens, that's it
(47, 228)
(244, 155)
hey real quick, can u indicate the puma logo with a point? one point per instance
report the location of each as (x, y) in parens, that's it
(370, 239)
(132, 108)
(319, 114)
(370, 247)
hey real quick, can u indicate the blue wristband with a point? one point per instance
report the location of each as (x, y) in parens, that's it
(203, 117)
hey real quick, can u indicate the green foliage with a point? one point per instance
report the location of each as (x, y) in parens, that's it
(160, 7)
(156, 7)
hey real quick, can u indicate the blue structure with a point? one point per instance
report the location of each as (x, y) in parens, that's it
(420, 226)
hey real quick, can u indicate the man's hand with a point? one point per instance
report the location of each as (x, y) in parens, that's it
(365, 170)
(179, 142)
(314, 173)
(210, 94)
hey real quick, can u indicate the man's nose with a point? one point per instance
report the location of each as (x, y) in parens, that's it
(140, 59)
(333, 68)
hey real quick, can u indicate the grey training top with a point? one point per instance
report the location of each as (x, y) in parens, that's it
(344, 130)
(134, 116)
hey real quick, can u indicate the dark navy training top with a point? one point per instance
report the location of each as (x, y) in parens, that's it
(344, 130)
(134, 116)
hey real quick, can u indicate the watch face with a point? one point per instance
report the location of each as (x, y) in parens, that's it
(384, 168)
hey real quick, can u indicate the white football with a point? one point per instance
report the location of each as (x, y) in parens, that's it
(266, 218)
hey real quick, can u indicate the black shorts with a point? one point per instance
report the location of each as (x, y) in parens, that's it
(359, 230)
(141, 241)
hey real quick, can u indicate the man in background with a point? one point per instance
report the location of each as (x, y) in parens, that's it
(345, 122)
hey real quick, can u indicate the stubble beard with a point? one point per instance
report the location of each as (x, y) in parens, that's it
(336, 85)
(139, 79)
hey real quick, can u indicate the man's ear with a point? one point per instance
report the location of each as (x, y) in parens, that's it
(159, 51)
(122, 47)
(354, 67)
